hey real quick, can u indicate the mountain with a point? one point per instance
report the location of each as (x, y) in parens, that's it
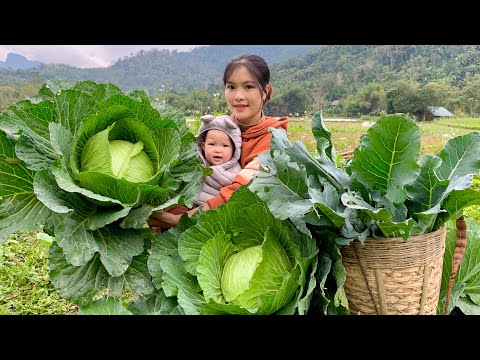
(183, 71)
(172, 71)
(17, 61)
(328, 72)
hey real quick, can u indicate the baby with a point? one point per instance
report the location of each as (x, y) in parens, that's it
(219, 143)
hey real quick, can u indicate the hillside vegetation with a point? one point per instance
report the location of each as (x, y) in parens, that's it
(361, 79)
(176, 71)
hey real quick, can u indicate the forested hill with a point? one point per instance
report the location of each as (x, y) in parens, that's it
(175, 71)
(331, 71)
(338, 70)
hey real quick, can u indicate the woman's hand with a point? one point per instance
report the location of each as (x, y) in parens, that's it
(163, 219)
(254, 164)
(252, 168)
(247, 174)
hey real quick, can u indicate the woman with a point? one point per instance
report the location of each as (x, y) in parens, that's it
(247, 90)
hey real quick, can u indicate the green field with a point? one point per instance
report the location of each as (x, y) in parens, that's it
(346, 135)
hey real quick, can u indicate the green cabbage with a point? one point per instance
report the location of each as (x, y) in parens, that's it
(238, 259)
(90, 164)
(119, 158)
(238, 271)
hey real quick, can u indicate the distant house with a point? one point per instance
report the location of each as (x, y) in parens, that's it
(432, 113)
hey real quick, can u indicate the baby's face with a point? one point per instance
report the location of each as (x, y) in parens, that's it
(218, 147)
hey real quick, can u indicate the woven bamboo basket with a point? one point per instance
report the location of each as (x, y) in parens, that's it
(393, 275)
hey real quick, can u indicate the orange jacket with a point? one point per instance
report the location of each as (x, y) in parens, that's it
(255, 141)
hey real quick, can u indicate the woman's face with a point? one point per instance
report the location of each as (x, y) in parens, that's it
(243, 97)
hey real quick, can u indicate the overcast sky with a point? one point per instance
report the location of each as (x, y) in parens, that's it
(82, 56)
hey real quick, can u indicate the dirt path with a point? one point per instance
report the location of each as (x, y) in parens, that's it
(340, 120)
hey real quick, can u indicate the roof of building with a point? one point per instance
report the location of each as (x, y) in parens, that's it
(439, 111)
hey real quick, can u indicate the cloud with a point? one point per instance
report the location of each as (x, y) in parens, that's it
(82, 56)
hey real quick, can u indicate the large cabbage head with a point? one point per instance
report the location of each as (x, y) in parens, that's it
(256, 271)
(124, 158)
(119, 158)
(90, 164)
(238, 259)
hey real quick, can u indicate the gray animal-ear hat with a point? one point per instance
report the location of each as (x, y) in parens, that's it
(223, 123)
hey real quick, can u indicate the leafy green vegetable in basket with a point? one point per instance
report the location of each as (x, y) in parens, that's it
(385, 190)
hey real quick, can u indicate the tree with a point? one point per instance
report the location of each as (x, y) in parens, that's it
(446, 94)
(297, 101)
(471, 92)
(11, 94)
(368, 99)
(8, 95)
(403, 97)
(175, 100)
(427, 97)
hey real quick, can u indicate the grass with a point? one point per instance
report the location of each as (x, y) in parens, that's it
(25, 287)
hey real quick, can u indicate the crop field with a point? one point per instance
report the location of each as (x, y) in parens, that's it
(24, 281)
(346, 135)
